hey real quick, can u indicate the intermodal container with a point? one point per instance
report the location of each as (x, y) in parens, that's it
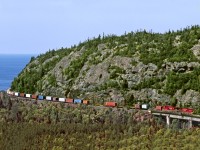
(49, 98)
(69, 100)
(17, 93)
(22, 95)
(28, 95)
(61, 99)
(8, 91)
(11, 93)
(159, 108)
(145, 106)
(41, 97)
(85, 102)
(77, 101)
(34, 96)
(55, 99)
(110, 104)
(137, 106)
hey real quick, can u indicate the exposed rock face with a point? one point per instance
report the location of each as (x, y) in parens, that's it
(93, 76)
(64, 63)
(150, 94)
(189, 96)
(180, 66)
(196, 50)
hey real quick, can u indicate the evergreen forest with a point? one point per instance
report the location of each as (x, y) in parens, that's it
(46, 125)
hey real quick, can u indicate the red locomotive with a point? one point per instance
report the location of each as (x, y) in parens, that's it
(172, 108)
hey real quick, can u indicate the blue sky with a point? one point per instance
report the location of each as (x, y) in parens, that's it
(35, 26)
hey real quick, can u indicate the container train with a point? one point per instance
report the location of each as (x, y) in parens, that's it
(48, 98)
(107, 104)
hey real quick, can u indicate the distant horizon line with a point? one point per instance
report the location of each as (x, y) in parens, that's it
(18, 54)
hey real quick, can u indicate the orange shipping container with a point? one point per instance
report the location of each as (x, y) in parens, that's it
(34, 96)
(110, 104)
(69, 100)
(85, 102)
(137, 106)
(158, 107)
(22, 95)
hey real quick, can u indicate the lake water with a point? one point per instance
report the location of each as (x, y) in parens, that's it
(10, 67)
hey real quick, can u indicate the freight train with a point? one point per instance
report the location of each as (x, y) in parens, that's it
(48, 98)
(106, 104)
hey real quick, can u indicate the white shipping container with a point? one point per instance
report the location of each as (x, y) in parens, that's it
(16, 94)
(61, 99)
(8, 91)
(49, 98)
(11, 93)
(144, 106)
(28, 95)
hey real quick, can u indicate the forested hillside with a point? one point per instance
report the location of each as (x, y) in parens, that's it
(26, 124)
(135, 66)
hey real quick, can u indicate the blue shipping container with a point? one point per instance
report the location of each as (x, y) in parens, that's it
(40, 97)
(77, 101)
